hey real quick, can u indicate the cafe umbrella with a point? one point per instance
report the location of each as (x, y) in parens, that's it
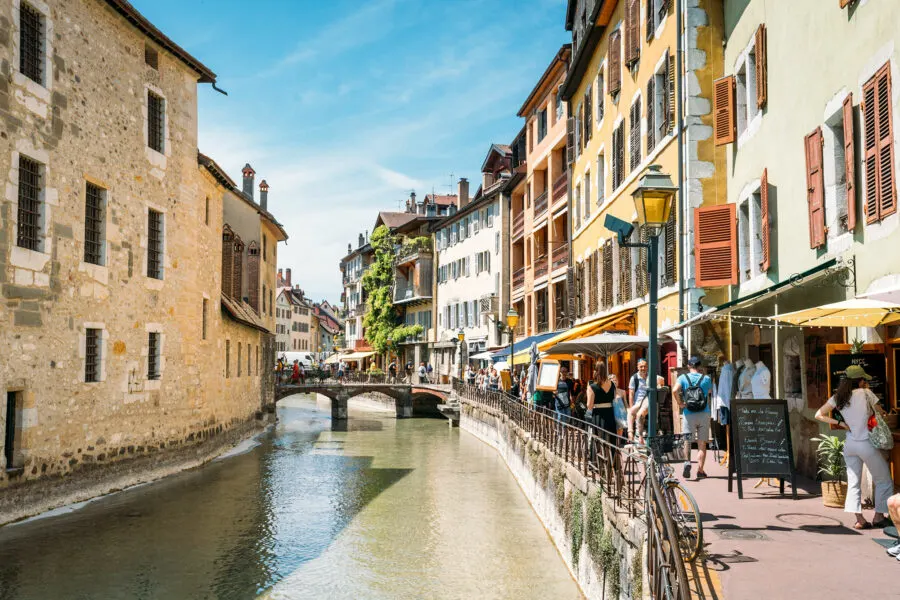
(857, 312)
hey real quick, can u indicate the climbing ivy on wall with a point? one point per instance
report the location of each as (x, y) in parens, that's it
(382, 323)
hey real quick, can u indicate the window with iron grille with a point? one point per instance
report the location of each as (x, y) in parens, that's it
(31, 43)
(153, 355)
(154, 244)
(93, 223)
(93, 337)
(156, 121)
(151, 57)
(30, 209)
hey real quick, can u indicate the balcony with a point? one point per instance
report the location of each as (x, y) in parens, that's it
(405, 293)
(540, 205)
(518, 225)
(518, 279)
(560, 256)
(540, 266)
(361, 346)
(560, 187)
(411, 250)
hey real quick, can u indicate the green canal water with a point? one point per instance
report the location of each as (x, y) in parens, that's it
(387, 509)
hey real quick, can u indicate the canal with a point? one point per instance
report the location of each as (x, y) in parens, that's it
(387, 509)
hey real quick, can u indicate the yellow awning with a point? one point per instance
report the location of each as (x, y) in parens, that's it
(585, 329)
(357, 356)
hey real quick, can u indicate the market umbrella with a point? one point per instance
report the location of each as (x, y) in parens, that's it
(501, 365)
(888, 295)
(533, 370)
(602, 344)
(858, 312)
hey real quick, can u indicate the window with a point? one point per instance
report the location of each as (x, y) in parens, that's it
(835, 174)
(239, 360)
(249, 348)
(153, 355)
(30, 205)
(601, 179)
(635, 134)
(156, 121)
(31, 43)
(94, 219)
(92, 341)
(750, 237)
(632, 27)
(497, 243)
(618, 157)
(206, 213)
(656, 12)
(227, 358)
(559, 103)
(151, 57)
(579, 132)
(588, 113)
(204, 318)
(587, 195)
(576, 201)
(541, 125)
(154, 244)
(745, 92)
(600, 96)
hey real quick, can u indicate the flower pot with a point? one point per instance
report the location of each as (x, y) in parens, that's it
(834, 493)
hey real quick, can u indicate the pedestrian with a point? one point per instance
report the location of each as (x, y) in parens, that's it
(494, 380)
(620, 406)
(302, 372)
(409, 370)
(470, 374)
(856, 404)
(600, 395)
(429, 369)
(579, 402)
(638, 394)
(422, 372)
(340, 373)
(562, 398)
(893, 505)
(693, 393)
(392, 371)
(295, 372)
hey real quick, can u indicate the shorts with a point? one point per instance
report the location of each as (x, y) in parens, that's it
(696, 423)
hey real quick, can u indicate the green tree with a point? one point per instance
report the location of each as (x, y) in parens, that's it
(382, 322)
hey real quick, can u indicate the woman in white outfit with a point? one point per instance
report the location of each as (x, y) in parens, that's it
(856, 403)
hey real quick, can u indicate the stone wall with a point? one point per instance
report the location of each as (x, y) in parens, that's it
(87, 123)
(602, 547)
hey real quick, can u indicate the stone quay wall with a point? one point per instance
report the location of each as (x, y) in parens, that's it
(603, 548)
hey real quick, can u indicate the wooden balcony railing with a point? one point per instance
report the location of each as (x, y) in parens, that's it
(560, 255)
(518, 279)
(540, 205)
(540, 266)
(560, 187)
(518, 224)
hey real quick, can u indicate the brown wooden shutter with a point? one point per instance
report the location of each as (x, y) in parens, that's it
(815, 188)
(723, 109)
(588, 110)
(608, 274)
(762, 69)
(632, 31)
(615, 62)
(635, 134)
(715, 246)
(625, 272)
(870, 149)
(671, 245)
(570, 139)
(651, 126)
(594, 266)
(764, 219)
(649, 21)
(670, 75)
(643, 276)
(850, 161)
(887, 184)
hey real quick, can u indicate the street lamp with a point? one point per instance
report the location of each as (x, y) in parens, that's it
(653, 201)
(512, 319)
(460, 337)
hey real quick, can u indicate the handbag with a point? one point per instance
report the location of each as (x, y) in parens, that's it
(620, 412)
(879, 434)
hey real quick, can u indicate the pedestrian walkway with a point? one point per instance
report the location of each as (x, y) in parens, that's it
(770, 546)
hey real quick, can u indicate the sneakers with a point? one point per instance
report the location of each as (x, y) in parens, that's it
(701, 475)
(894, 550)
(686, 472)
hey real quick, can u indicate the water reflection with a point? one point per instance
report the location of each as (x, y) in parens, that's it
(387, 509)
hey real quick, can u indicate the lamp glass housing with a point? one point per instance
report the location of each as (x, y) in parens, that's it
(512, 318)
(461, 335)
(653, 199)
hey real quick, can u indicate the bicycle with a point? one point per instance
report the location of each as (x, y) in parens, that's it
(667, 449)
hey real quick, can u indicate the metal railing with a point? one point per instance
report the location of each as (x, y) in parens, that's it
(560, 255)
(626, 474)
(560, 187)
(540, 204)
(540, 266)
(518, 278)
(518, 224)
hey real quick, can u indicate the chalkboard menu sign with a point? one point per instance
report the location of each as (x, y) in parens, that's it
(761, 439)
(873, 363)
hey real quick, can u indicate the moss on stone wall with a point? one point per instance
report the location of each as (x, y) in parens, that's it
(637, 573)
(610, 564)
(577, 527)
(595, 524)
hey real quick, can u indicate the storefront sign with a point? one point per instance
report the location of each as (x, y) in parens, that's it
(873, 362)
(761, 442)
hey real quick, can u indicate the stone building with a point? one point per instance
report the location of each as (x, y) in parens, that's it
(114, 364)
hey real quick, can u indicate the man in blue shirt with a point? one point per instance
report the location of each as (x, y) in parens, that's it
(692, 392)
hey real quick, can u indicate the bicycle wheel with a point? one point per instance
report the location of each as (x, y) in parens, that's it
(687, 519)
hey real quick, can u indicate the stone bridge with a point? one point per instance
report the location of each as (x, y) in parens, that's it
(411, 400)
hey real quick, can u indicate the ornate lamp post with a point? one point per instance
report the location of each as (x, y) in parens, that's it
(653, 201)
(460, 338)
(512, 319)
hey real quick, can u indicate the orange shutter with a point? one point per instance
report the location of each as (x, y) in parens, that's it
(850, 161)
(764, 219)
(723, 107)
(715, 245)
(844, 3)
(815, 188)
(615, 62)
(887, 184)
(870, 150)
(762, 69)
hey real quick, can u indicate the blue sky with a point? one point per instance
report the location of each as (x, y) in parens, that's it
(344, 106)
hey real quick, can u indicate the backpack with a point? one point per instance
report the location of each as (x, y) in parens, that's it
(694, 398)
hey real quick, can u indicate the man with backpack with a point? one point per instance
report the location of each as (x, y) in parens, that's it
(692, 392)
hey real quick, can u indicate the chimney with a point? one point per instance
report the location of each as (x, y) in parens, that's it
(349, 248)
(487, 180)
(263, 195)
(367, 236)
(248, 180)
(280, 278)
(287, 277)
(362, 241)
(462, 195)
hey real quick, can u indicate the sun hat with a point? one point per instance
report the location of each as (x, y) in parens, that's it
(695, 361)
(856, 372)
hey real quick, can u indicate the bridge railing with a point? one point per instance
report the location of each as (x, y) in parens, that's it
(312, 376)
(627, 475)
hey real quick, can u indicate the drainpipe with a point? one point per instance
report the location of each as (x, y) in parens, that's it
(679, 120)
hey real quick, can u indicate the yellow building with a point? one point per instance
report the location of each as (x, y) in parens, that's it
(635, 102)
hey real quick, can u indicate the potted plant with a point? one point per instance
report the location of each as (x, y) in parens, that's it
(833, 470)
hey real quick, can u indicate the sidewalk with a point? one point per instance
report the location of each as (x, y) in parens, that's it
(769, 546)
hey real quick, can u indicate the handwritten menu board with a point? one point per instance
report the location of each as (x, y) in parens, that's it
(873, 363)
(761, 435)
(548, 376)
